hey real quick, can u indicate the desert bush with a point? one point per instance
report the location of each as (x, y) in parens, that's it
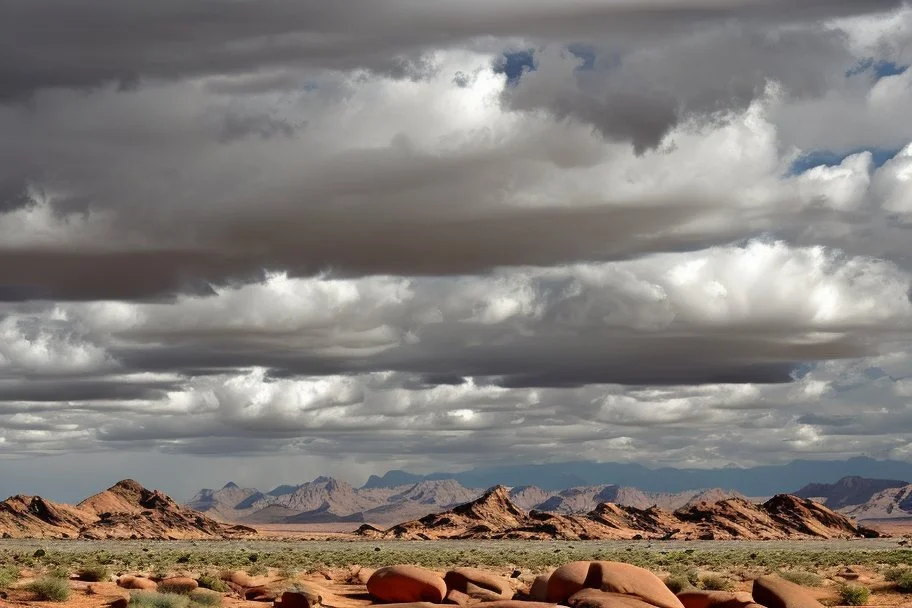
(904, 581)
(50, 589)
(677, 583)
(802, 577)
(8, 576)
(714, 582)
(208, 581)
(205, 598)
(853, 595)
(172, 589)
(152, 599)
(288, 573)
(257, 570)
(93, 573)
(59, 572)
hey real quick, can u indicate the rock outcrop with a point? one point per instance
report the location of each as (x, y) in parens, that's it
(125, 510)
(495, 516)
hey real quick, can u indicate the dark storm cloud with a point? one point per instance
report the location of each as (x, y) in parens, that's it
(309, 243)
(55, 43)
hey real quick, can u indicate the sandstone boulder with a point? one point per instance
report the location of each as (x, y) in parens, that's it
(129, 581)
(301, 598)
(406, 584)
(238, 577)
(538, 592)
(260, 594)
(775, 592)
(716, 599)
(614, 577)
(178, 584)
(478, 584)
(594, 598)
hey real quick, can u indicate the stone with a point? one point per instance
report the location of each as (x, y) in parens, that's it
(238, 577)
(406, 584)
(458, 597)
(716, 599)
(776, 592)
(178, 584)
(538, 592)
(301, 598)
(594, 598)
(260, 594)
(517, 604)
(478, 584)
(129, 581)
(120, 602)
(614, 577)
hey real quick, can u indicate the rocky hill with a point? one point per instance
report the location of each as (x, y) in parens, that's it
(327, 500)
(494, 515)
(125, 510)
(849, 491)
(892, 503)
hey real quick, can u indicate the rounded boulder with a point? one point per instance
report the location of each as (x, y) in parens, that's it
(404, 584)
(594, 598)
(178, 584)
(776, 592)
(613, 577)
(478, 584)
(716, 599)
(128, 581)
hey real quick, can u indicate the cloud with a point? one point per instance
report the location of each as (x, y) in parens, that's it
(306, 233)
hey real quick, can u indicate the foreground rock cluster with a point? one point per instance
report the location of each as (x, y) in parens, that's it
(580, 584)
(123, 511)
(495, 516)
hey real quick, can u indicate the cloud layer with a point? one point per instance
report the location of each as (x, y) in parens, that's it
(428, 235)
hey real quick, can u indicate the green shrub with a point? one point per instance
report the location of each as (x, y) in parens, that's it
(8, 576)
(207, 581)
(677, 583)
(853, 595)
(205, 598)
(714, 582)
(50, 589)
(171, 589)
(93, 573)
(904, 582)
(894, 574)
(802, 577)
(152, 599)
(257, 570)
(59, 572)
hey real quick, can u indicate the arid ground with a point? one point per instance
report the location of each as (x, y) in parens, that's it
(337, 568)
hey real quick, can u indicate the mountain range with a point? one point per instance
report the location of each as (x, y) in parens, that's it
(328, 500)
(495, 515)
(399, 496)
(764, 480)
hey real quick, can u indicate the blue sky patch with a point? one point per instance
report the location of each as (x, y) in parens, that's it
(514, 64)
(880, 69)
(830, 158)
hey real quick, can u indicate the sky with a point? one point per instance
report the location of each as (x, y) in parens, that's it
(268, 240)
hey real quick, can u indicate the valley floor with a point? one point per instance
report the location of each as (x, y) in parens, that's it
(332, 565)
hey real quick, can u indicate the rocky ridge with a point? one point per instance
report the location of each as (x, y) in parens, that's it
(125, 510)
(494, 516)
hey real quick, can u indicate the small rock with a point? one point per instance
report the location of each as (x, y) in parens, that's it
(179, 584)
(301, 598)
(121, 602)
(129, 581)
(776, 592)
(260, 594)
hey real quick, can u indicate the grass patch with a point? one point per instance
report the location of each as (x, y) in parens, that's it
(93, 573)
(50, 589)
(8, 576)
(853, 595)
(152, 599)
(205, 598)
(208, 581)
(904, 582)
(257, 569)
(715, 582)
(802, 577)
(677, 583)
(59, 572)
(174, 589)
